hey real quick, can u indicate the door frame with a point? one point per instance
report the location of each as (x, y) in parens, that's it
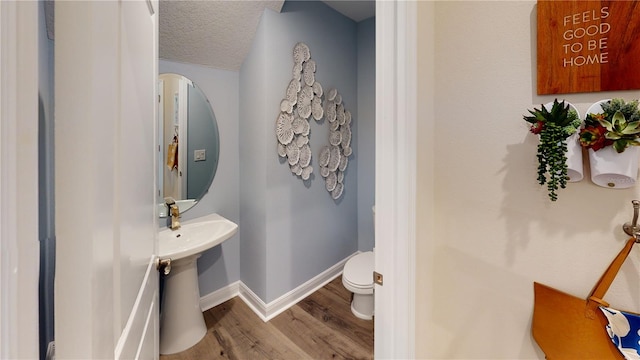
(395, 39)
(19, 245)
(396, 125)
(160, 150)
(183, 139)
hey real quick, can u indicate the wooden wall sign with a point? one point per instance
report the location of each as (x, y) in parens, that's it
(588, 46)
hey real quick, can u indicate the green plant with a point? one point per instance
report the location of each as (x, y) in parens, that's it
(553, 127)
(617, 125)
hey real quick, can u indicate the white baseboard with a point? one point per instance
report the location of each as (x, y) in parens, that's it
(219, 296)
(253, 301)
(268, 311)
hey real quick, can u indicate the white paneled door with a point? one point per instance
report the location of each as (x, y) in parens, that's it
(19, 246)
(395, 179)
(106, 285)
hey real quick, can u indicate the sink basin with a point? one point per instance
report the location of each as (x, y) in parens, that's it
(195, 236)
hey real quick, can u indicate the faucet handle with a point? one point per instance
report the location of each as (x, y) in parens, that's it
(169, 201)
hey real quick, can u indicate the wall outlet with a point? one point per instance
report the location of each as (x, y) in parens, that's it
(200, 155)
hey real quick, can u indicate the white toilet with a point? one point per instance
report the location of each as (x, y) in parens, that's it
(357, 277)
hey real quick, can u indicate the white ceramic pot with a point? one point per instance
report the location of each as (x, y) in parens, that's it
(612, 169)
(575, 169)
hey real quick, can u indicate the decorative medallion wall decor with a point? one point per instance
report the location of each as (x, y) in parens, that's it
(334, 158)
(303, 100)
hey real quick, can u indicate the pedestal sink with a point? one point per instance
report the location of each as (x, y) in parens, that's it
(181, 321)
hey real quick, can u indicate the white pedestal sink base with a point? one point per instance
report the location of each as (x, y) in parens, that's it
(182, 323)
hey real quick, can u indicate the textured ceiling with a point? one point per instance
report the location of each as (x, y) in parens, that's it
(211, 33)
(219, 34)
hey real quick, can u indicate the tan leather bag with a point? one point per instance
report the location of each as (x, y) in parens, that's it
(567, 327)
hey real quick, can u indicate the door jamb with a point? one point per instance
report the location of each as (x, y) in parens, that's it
(396, 146)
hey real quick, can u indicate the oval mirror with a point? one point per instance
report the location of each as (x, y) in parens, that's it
(189, 143)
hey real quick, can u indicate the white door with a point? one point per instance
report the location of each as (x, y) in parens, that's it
(19, 246)
(105, 110)
(395, 179)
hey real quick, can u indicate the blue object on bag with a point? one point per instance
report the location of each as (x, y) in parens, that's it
(624, 331)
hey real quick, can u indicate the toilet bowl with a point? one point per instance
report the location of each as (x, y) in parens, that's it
(357, 277)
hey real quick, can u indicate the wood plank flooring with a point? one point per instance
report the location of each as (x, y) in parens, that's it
(321, 326)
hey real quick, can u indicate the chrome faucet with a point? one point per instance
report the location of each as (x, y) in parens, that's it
(174, 212)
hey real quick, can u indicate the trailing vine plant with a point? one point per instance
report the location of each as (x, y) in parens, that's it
(553, 127)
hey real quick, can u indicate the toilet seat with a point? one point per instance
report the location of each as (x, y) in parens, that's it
(357, 275)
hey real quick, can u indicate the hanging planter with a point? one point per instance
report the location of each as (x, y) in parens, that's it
(555, 123)
(575, 167)
(612, 169)
(611, 132)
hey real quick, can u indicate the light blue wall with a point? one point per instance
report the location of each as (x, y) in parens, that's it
(219, 266)
(292, 231)
(365, 130)
(254, 137)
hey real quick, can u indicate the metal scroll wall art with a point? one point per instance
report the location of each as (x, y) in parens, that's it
(303, 100)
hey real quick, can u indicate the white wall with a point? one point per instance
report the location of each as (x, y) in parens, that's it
(219, 266)
(425, 206)
(364, 131)
(491, 230)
